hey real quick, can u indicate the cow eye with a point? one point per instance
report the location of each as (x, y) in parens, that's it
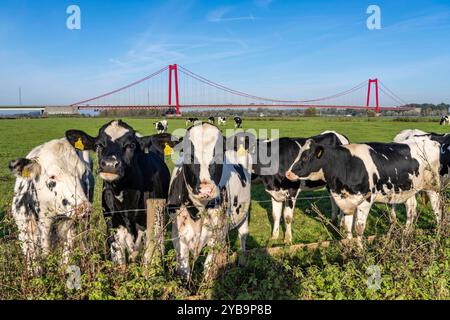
(130, 145)
(98, 146)
(53, 177)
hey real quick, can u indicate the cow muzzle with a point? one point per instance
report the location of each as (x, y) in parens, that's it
(110, 169)
(292, 176)
(207, 191)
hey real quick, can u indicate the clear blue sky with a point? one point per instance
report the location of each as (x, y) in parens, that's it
(281, 49)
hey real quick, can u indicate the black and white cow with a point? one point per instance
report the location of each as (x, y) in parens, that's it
(237, 122)
(54, 187)
(190, 121)
(445, 120)
(222, 121)
(442, 139)
(211, 120)
(236, 179)
(284, 192)
(208, 181)
(130, 177)
(161, 126)
(359, 175)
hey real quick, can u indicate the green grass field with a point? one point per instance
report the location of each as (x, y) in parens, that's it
(20, 136)
(409, 272)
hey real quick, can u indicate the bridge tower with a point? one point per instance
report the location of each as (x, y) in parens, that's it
(377, 102)
(174, 68)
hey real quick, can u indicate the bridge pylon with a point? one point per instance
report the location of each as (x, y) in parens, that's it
(377, 102)
(174, 68)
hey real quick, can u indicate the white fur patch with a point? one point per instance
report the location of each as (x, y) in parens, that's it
(362, 151)
(408, 134)
(341, 138)
(115, 131)
(204, 138)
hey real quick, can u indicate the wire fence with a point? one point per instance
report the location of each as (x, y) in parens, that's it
(168, 212)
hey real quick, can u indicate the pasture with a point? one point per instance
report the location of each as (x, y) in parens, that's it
(322, 274)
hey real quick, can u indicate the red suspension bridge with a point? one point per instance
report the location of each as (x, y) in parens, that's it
(179, 88)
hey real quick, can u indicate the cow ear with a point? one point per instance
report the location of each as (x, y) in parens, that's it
(162, 142)
(25, 168)
(319, 152)
(80, 140)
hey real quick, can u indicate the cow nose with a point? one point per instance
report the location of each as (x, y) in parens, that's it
(109, 163)
(207, 190)
(290, 175)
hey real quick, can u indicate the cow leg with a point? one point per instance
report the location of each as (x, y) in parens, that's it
(182, 250)
(362, 212)
(45, 225)
(393, 214)
(288, 215)
(122, 246)
(69, 240)
(141, 241)
(347, 224)
(435, 200)
(29, 240)
(277, 207)
(243, 233)
(334, 210)
(411, 209)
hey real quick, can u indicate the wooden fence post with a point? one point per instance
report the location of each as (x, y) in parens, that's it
(155, 229)
(219, 253)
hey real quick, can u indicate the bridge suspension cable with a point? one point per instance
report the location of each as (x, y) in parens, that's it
(123, 88)
(197, 91)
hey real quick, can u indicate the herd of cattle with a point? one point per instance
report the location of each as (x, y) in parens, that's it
(162, 126)
(213, 175)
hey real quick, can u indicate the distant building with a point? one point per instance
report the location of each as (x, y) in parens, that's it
(60, 110)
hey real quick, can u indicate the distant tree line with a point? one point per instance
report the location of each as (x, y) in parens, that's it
(426, 109)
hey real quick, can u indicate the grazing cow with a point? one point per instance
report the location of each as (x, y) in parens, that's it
(161, 126)
(284, 192)
(54, 187)
(190, 121)
(130, 177)
(359, 175)
(237, 122)
(211, 120)
(222, 121)
(207, 182)
(445, 120)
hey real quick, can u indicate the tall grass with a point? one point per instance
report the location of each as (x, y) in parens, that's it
(415, 266)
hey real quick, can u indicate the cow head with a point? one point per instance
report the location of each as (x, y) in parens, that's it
(202, 162)
(309, 163)
(55, 178)
(117, 146)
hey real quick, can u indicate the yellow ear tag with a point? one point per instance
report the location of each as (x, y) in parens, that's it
(25, 173)
(79, 145)
(241, 151)
(168, 150)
